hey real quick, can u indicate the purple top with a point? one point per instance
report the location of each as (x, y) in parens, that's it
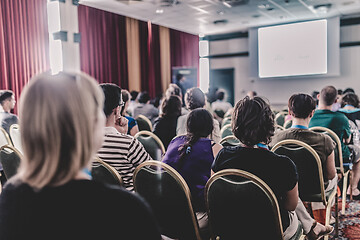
(195, 169)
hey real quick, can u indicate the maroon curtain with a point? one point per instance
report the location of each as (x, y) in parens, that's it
(184, 49)
(150, 58)
(103, 52)
(24, 42)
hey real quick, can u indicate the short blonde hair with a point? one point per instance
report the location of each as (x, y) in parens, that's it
(58, 116)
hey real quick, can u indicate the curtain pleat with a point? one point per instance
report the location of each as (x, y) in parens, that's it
(165, 60)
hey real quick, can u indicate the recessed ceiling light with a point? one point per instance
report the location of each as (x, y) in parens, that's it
(263, 6)
(159, 11)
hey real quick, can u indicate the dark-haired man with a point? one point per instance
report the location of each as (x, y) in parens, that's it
(7, 101)
(121, 151)
(338, 123)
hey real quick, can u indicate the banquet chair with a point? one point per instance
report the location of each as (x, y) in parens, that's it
(144, 123)
(10, 159)
(288, 124)
(343, 169)
(280, 118)
(170, 199)
(225, 121)
(4, 138)
(230, 140)
(105, 173)
(311, 182)
(15, 137)
(152, 144)
(238, 202)
(226, 131)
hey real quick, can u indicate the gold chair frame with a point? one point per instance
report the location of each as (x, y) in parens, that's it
(146, 119)
(281, 113)
(279, 127)
(346, 175)
(333, 194)
(153, 135)
(173, 173)
(260, 183)
(9, 142)
(226, 126)
(12, 148)
(223, 140)
(16, 126)
(111, 169)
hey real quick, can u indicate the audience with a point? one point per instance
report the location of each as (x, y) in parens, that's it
(7, 101)
(220, 105)
(350, 107)
(121, 151)
(338, 123)
(145, 107)
(195, 98)
(253, 125)
(174, 89)
(165, 125)
(192, 155)
(133, 102)
(51, 196)
(301, 108)
(132, 124)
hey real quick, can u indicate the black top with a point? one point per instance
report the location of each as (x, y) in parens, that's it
(278, 172)
(165, 129)
(80, 209)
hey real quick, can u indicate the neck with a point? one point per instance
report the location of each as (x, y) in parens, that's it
(324, 107)
(110, 121)
(301, 121)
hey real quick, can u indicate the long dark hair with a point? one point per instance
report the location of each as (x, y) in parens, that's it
(199, 124)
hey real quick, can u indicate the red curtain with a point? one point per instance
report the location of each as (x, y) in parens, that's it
(184, 49)
(24, 42)
(103, 52)
(150, 58)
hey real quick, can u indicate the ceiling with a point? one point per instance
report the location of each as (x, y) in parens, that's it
(206, 17)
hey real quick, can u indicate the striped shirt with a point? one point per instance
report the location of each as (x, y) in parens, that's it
(124, 153)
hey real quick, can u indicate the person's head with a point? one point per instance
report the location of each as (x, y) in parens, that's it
(220, 94)
(253, 121)
(328, 95)
(126, 97)
(199, 123)
(143, 97)
(61, 126)
(301, 105)
(7, 100)
(113, 100)
(179, 77)
(194, 98)
(171, 107)
(350, 99)
(134, 95)
(340, 92)
(173, 89)
(348, 90)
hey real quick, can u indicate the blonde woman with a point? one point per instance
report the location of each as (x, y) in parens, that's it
(52, 197)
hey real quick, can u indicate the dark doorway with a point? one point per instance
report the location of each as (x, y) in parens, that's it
(223, 78)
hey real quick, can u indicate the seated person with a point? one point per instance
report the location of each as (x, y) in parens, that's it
(7, 101)
(165, 125)
(132, 124)
(338, 123)
(52, 195)
(174, 89)
(220, 106)
(195, 98)
(192, 155)
(145, 107)
(253, 125)
(350, 107)
(121, 151)
(301, 108)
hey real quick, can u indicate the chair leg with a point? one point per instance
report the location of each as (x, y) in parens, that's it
(343, 200)
(350, 182)
(336, 215)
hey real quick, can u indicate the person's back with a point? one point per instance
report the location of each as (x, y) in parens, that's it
(8, 119)
(80, 209)
(145, 108)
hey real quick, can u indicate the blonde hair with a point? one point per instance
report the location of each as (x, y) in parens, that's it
(58, 116)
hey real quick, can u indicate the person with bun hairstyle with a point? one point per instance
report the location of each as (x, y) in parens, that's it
(52, 195)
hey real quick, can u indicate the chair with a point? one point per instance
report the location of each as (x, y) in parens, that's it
(14, 132)
(241, 204)
(288, 124)
(278, 127)
(4, 138)
(105, 173)
(170, 199)
(10, 159)
(311, 181)
(340, 166)
(280, 118)
(230, 140)
(226, 131)
(225, 121)
(152, 144)
(144, 123)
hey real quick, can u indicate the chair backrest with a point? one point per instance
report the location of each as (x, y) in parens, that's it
(308, 164)
(152, 144)
(230, 140)
(226, 131)
(169, 197)
(10, 159)
(144, 123)
(220, 113)
(238, 203)
(4, 138)
(225, 121)
(280, 118)
(105, 173)
(337, 151)
(15, 136)
(288, 124)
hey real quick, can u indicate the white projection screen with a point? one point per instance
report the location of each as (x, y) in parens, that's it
(293, 49)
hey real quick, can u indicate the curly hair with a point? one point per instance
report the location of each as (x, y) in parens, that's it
(350, 99)
(194, 98)
(253, 121)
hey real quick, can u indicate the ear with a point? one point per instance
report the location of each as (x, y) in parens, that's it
(318, 96)
(312, 113)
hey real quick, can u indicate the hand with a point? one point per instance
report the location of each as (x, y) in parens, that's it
(121, 124)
